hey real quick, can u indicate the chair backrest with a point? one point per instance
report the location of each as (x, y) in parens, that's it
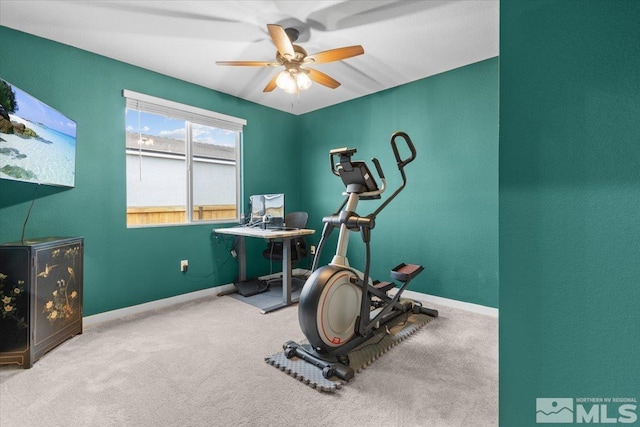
(296, 219)
(298, 245)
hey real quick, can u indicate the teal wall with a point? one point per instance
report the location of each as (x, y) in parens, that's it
(569, 203)
(569, 188)
(446, 219)
(124, 267)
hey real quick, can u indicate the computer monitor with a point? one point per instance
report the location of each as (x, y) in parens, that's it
(267, 209)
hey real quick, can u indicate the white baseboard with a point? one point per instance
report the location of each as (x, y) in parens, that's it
(89, 321)
(466, 306)
(95, 319)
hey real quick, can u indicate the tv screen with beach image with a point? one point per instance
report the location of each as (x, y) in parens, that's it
(37, 143)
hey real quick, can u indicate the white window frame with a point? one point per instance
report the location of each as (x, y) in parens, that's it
(155, 105)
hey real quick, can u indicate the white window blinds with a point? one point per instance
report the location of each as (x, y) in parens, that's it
(151, 104)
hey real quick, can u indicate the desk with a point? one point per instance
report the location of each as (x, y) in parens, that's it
(285, 235)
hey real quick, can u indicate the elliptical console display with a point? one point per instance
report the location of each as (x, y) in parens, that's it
(341, 307)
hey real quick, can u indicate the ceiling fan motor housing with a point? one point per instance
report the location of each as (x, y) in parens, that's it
(292, 33)
(300, 54)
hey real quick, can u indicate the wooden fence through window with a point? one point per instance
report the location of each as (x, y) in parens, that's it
(177, 214)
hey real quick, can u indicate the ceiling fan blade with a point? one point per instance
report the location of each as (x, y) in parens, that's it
(322, 78)
(335, 54)
(248, 63)
(271, 85)
(281, 40)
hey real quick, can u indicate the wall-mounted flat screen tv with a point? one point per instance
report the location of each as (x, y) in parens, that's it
(37, 143)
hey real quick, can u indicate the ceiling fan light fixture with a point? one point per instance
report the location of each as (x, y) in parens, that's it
(303, 81)
(293, 81)
(287, 82)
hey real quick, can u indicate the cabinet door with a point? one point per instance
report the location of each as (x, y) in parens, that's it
(58, 290)
(14, 300)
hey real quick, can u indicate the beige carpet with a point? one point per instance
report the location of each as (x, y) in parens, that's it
(202, 364)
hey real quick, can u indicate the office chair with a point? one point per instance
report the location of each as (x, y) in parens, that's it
(274, 249)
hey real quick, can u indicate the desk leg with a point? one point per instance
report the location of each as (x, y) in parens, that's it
(286, 272)
(286, 279)
(242, 260)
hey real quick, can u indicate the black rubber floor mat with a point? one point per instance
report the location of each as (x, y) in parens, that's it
(360, 357)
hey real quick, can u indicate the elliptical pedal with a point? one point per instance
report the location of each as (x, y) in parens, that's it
(384, 286)
(406, 272)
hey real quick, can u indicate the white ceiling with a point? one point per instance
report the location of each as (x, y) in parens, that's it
(403, 40)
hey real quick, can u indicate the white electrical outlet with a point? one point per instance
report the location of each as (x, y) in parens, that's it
(313, 250)
(184, 265)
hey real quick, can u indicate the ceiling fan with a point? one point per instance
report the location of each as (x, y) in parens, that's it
(296, 75)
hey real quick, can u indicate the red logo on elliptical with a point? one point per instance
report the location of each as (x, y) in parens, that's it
(335, 340)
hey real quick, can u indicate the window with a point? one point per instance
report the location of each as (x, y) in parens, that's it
(183, 163)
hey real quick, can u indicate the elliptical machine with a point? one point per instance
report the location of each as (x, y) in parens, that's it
(341, 307)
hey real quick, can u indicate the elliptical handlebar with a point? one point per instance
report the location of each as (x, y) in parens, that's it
(402, 163)
(356, 175)
(378, 168)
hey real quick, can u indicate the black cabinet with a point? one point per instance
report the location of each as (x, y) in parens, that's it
(40, 296)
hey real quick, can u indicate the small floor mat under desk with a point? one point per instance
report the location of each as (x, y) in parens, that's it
(268, 298)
